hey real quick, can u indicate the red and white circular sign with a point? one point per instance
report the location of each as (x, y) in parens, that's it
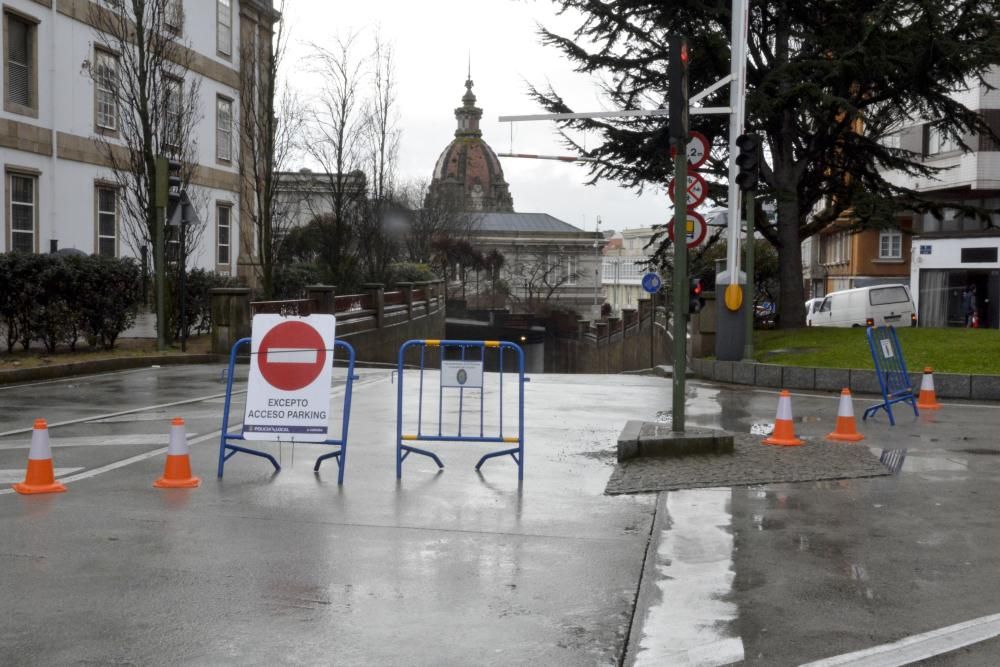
(697, 149)
(291, 356)
(697, 190)
(697, 229)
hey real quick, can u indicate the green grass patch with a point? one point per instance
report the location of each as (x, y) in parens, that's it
(975, 351)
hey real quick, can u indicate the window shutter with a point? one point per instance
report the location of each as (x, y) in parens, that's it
(18, 61)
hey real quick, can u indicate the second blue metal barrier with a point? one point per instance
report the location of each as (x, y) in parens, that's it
(464, 349)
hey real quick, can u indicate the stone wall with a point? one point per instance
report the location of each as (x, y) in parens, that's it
(374, 322)
(612, 346)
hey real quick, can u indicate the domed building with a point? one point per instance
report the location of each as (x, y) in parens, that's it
(468, 171)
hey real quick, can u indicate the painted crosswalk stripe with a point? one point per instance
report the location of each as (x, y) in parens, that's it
(918, 647)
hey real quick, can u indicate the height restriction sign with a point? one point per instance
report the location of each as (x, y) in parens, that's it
(288, 392)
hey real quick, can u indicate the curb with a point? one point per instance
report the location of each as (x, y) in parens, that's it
(643, 439)
(56, 371)
(947, 385)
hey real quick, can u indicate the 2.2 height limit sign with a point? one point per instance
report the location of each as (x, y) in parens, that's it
(288, 392)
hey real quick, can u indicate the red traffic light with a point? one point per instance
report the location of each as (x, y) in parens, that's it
(696, 286)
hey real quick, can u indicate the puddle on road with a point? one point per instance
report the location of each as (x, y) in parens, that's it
(664, 417)
(763, 428)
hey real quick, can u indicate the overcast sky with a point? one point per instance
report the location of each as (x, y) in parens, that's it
(433, 40)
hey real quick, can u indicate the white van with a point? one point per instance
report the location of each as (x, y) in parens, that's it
(812, 308)
(867, 306)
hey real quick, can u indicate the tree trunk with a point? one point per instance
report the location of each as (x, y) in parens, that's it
(791, 295)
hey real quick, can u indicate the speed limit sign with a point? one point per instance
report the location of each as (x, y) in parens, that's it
(697, 149)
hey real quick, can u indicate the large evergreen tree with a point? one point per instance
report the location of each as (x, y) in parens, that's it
(826, 81)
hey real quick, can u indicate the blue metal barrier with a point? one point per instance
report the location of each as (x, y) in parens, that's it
(227, 449)
(891, 371)
(404, 450)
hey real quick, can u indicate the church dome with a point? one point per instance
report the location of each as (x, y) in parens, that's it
(468, 171)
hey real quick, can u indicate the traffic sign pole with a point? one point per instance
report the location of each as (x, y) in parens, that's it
(680, 292)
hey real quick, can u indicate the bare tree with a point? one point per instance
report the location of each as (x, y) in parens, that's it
(431, 219)
(380, 224)
(269, 141)
(147, 106)
(535, 275)
(337, 142)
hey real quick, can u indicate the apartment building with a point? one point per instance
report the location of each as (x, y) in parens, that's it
(951, 252)
(623, 267)
(58, 188)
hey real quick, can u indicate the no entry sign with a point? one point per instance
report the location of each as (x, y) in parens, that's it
(288, 393)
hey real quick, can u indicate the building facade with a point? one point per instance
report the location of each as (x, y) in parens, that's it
(845, 259)
(951, 252)
(58, 189)
(624, 264)
(548, 263)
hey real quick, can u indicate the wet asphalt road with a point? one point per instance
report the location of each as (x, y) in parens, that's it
(456, 568)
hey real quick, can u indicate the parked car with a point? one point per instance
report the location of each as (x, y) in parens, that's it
(812, 306)
(867, 306)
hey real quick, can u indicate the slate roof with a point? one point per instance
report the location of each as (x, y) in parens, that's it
(522, 222)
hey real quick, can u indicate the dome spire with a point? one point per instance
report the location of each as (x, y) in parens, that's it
(468, 114)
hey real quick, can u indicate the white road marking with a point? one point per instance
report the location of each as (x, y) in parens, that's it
(126, 462)
(132, 411)
(156, 452)
(919, 647)
(99, 441)
(694, 563)
(17, 475)
(74, 378)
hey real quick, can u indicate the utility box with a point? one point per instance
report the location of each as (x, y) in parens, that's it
(730, 327)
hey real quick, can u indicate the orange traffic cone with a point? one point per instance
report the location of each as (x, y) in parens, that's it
(177, 471)
(846, 430)
(784, 430)
(41, 476)
(927, 400)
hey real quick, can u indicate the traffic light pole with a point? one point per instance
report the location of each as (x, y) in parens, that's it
(161, 273)
(680, 283)
(751, 283)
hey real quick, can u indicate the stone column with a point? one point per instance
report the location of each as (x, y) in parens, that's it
(582, 327)
(323, 298)
(407, 290)
(614, 325)
(230, 317)
(377, 293)
(629, 317)
(602, 331)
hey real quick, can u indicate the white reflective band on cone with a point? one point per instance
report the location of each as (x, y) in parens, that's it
(927, 382)
(846, 408)
(178, 442)
(40, 449)
(785, 408)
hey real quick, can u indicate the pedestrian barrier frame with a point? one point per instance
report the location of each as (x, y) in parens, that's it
(227, 449)
(890, 368)
(404, 450)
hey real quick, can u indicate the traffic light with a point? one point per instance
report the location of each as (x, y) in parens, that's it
(168, 182)
(696, 301)
(677, 94)
(748, 161)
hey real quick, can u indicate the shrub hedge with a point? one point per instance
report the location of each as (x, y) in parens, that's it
(58, 299)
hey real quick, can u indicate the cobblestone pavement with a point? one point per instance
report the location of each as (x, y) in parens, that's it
(750, 463)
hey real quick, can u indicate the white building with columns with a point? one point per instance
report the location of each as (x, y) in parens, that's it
(57, 189)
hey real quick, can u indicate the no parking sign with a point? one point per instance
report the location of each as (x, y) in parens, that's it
(288, 392)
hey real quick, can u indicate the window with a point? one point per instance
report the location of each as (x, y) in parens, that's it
(890, 244)
(569, 266)
(223, 228)
(20, 86)
(939, 142)
(224, 129)
(173, 100)
(884, 296)
(106, 90)
(891, 140)
(107, 221)
(173, 16)
(224, 27)
(23, 212)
